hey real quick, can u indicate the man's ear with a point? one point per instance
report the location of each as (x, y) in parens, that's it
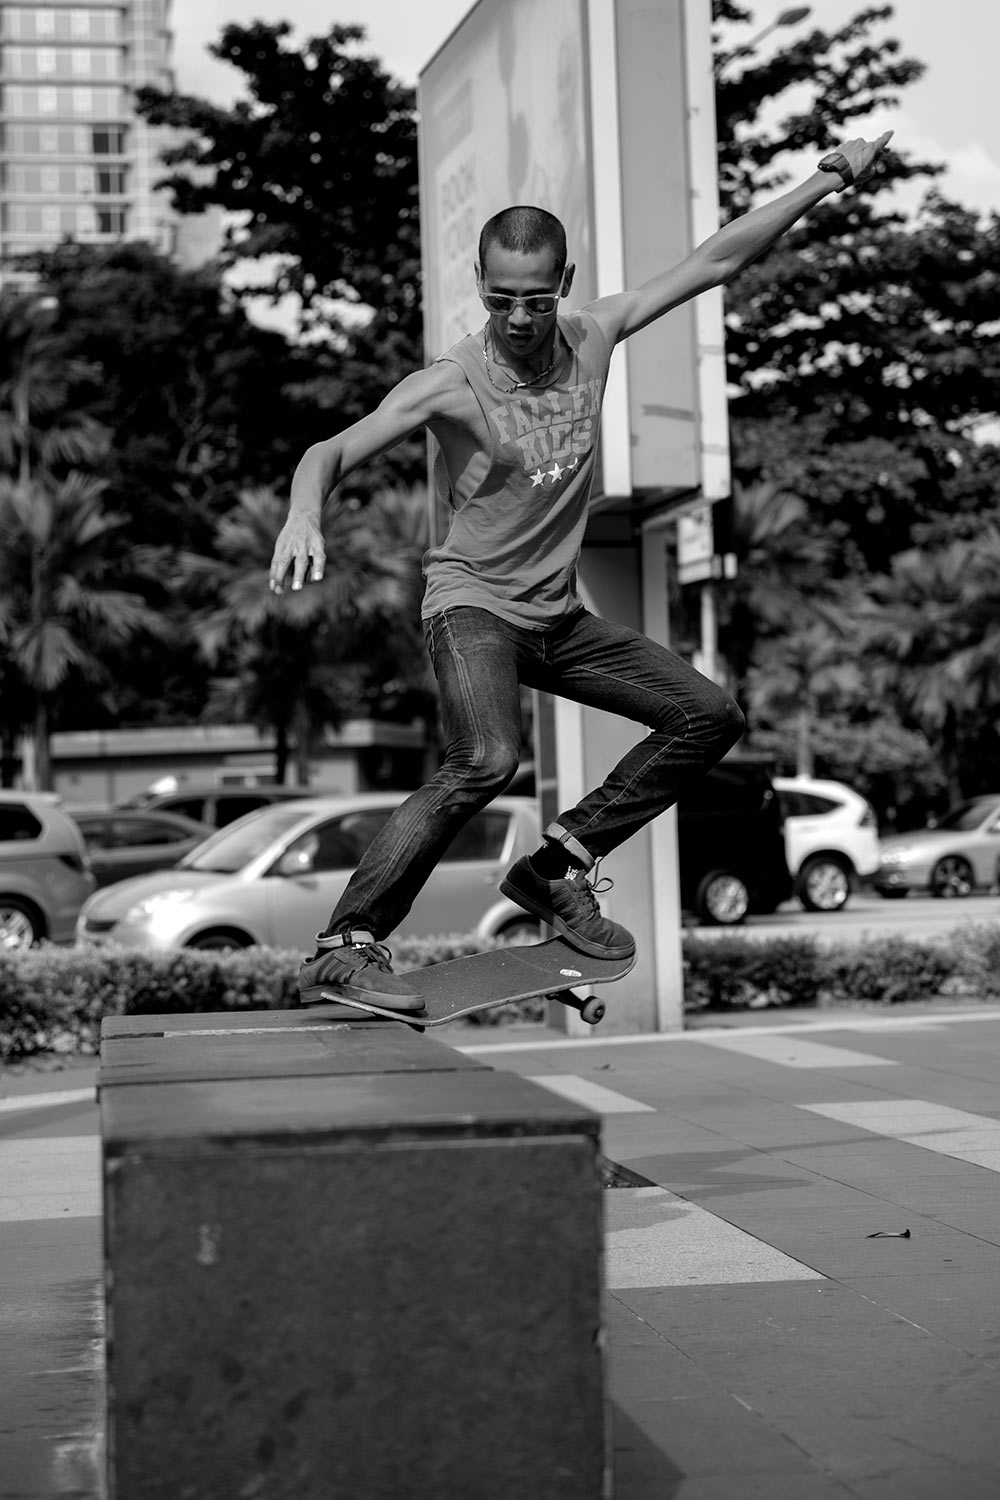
(479, 275)
(567, 280)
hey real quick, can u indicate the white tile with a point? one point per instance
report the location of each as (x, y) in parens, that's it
(594, 1095)
(794, 1051)
(654, 1238)
(52, 1178)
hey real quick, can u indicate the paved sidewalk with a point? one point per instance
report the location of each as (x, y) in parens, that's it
(762, 1343)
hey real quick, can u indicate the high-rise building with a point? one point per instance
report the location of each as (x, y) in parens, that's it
(75, 158)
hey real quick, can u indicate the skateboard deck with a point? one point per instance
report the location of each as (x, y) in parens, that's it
(461, 986)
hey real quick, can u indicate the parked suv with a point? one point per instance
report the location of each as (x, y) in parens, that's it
(831, 840)
(45, 873)
(731, 843)
(218, 806)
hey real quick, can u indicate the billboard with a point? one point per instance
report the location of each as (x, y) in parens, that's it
(601, 111)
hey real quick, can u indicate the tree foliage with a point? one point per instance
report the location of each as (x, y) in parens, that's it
(316, 169)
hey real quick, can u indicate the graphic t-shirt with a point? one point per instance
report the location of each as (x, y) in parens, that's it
(519, 508)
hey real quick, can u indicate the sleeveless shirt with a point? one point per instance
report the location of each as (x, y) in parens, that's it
(519, 508)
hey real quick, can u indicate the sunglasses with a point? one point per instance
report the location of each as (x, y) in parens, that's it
(539, 304)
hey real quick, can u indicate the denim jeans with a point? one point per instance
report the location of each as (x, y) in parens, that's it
(480, 660)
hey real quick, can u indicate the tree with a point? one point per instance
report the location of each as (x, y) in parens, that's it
(782, 579)
(61, 600)
(195, 397)
(317, 170)
(872, 340)
(293, 657)
(42, 387)
(932, 632)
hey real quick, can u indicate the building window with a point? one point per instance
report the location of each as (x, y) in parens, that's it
(49, 138)
(80, 23)
(81, 63)
(48, 100)
(45, 61)
(50, 179)
(110, 220)
(108, 140)
(83, 101)
(45, 21)
(110, 180)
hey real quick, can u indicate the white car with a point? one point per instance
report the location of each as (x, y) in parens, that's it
(831, 839)
(274, 876)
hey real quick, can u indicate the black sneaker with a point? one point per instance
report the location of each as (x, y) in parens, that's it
(355, 966)
(570, 906)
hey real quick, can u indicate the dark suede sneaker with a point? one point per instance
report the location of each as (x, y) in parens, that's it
(355, 966)
(570, 906)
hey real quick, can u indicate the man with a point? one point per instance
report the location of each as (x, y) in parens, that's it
(515, 410)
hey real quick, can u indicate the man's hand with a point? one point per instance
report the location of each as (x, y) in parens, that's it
(864, 155)
(299, 547)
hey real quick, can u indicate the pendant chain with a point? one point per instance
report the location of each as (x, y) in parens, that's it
(520, 385)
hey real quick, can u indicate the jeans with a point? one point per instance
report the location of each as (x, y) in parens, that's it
(479, 660)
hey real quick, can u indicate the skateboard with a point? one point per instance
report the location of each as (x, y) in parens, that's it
(462, 986)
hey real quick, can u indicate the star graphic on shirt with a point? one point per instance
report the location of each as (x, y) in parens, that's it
(555, 472)
(537, 478)
(575, 464)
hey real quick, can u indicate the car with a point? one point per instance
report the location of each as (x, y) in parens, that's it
(831, 840)
(274, 876)
(960, 854)
(123, 843)
(731, 846)
(217, 806)
(45, 874)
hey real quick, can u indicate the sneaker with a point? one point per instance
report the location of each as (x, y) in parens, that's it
(355, 966)
(570, 906)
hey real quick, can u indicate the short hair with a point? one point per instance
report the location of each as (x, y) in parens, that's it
(526, 231)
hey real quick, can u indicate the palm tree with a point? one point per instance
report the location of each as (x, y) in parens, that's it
(296, 653)
(61, 604)
(40, 423)
(783, 580)
(932, 632)
(802, 675)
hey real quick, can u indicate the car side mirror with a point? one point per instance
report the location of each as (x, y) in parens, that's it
(294, 862)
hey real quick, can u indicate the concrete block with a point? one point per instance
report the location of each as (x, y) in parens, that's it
(361, 1283)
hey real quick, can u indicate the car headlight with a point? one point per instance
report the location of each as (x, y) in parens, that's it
(156, 905)
(897, 856)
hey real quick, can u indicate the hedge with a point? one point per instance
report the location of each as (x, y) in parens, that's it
(52, 999)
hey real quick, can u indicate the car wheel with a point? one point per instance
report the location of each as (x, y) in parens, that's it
(952, 877)
(823, 883)
(21, 924)
(722, 899)
(520, 930)
(219, 940)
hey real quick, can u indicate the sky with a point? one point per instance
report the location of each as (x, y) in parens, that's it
(950, 116)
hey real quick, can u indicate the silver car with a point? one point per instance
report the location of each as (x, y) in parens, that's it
(45, 873)
(273, 877)
(959, 855)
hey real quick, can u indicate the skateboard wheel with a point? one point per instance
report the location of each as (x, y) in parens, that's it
(592, 1011)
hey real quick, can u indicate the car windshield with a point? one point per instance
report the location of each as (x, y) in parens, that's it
(968, 815)
(233, 847)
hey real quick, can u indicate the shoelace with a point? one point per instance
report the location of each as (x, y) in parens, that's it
(578, 880)
(373, 953)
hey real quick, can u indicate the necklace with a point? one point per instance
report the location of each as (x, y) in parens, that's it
(520, 384)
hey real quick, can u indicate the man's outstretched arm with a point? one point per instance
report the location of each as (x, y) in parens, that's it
(729, 251)
(299, 552)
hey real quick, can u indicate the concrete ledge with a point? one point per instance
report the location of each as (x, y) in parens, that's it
(345, 1261)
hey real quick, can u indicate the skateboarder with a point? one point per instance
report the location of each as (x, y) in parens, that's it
(515, 410)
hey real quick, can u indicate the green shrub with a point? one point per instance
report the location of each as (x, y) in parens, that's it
(889, 970)
(53, 999)
(734, 972)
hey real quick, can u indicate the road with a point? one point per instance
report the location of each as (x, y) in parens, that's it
(868, 916)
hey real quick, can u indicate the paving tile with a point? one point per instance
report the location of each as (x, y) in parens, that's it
(854, 1386)
(956, 1305)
